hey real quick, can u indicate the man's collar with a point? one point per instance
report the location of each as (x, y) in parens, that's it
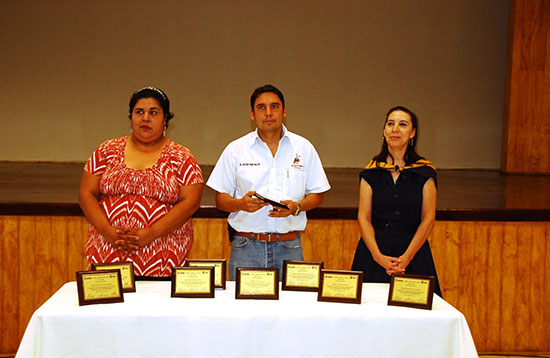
(256, 136)
(285, 132)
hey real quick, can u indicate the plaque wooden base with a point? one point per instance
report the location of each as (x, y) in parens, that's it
(415, 291)
(220, 269)
(126, 272)
(257, 283)
(341, 286)
(99, 287)
(193, 282)
(301, 275)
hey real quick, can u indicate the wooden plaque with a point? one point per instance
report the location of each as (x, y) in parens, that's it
(257, 283)
(126, 272)
(193, 282)
(341, 286)
(99, 287)
(301, 275)
(220, 269)
(415, 291)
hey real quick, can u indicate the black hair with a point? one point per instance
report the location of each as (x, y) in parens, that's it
(152, 92)
(264, 89)
(411, 155)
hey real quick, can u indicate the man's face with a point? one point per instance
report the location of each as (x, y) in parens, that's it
(268, 112)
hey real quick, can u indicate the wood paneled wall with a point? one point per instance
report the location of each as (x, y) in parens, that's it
(38, 254)
(526, 124)
(496, 273)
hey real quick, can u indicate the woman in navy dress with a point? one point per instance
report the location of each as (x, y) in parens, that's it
(397, 203)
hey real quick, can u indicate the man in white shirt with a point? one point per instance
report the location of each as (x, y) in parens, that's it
(278, 165)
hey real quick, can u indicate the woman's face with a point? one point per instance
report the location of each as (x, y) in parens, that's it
(148, 120)
(398, 129)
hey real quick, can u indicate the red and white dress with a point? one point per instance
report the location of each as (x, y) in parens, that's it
(139, 198)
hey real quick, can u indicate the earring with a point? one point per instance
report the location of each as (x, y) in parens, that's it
(411, 142)
(383, 140)
(164, 132)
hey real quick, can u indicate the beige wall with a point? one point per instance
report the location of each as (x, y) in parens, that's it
(69, 67)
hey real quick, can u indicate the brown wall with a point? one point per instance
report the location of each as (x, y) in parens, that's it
(496, 273)
(526, 125)
(68, 72)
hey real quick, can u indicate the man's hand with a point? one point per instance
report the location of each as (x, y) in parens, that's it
(277, 212)
(251, 204)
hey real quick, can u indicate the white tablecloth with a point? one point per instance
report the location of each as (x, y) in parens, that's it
(152, 324)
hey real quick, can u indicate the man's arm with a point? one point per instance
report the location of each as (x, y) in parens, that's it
(311, 201)
(226, 202)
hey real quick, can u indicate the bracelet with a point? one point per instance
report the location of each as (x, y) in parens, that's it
(298, 210)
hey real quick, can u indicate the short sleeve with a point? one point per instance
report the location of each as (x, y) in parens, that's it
(317, 181)
(183, 164)
(223, 178)
(190, 172)
(426, 173)
(97, 163)
(370, 176)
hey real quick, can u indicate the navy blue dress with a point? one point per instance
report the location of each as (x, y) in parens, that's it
(396, 214)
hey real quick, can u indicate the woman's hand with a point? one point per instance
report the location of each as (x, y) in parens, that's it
(128, 239)
(131, 239)
(115, 236)
(119, 237)
(403, 262)
(389, 263)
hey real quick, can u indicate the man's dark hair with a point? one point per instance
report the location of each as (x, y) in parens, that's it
(264, 89)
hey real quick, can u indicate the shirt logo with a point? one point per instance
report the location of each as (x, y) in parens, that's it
(296, 163)
(249, 164)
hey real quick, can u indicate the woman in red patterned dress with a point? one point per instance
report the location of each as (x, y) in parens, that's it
(139, 192)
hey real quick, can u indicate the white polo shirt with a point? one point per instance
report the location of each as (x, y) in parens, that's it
(247, 164)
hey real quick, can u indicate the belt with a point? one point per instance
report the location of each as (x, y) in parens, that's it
(270, 237)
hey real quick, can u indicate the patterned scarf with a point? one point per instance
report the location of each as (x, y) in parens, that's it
(383, 165)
